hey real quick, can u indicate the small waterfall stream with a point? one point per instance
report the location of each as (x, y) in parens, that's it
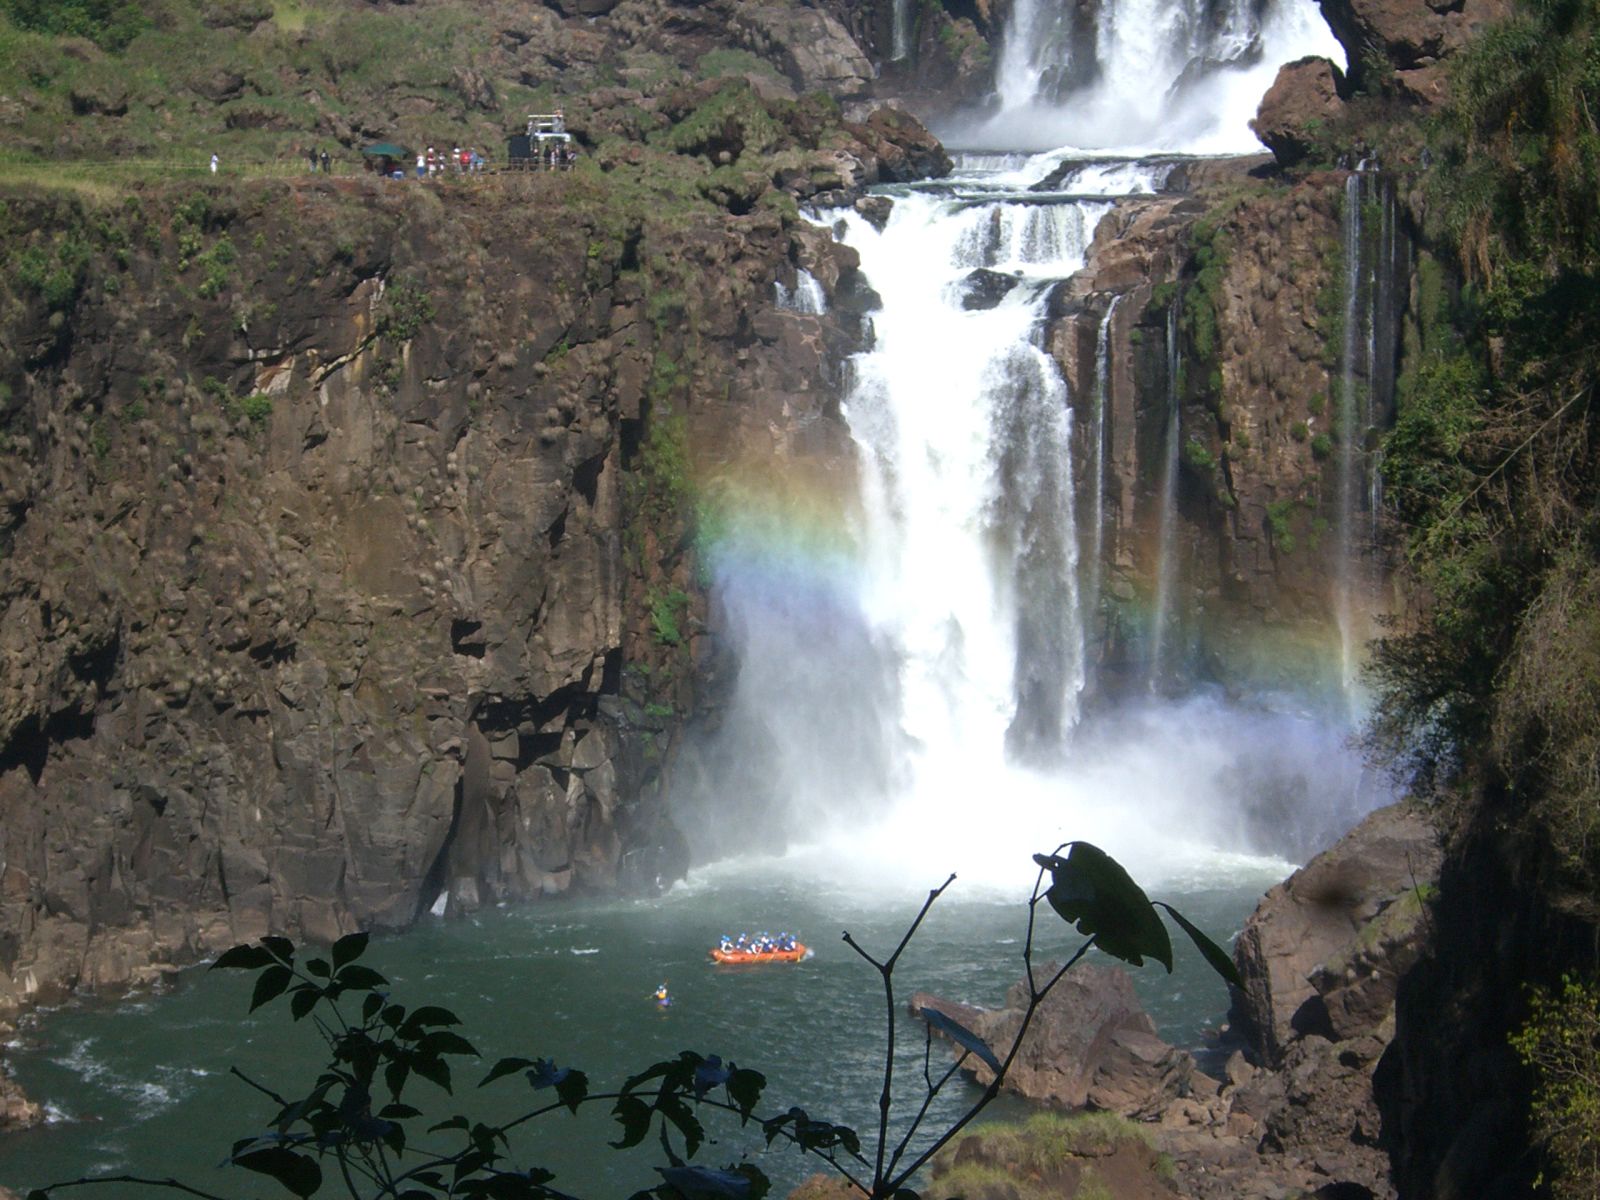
(1102, 399)
(1373, 260)
(900, 31)
(1166, 564)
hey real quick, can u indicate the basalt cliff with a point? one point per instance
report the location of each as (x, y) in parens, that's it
(348, 527)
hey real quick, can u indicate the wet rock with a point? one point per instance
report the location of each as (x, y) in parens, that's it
(983, 288)
(16, 1110)
(875, 210)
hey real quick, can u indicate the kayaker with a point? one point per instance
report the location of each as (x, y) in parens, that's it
(661, 998)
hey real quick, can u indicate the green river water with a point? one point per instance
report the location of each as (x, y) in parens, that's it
(141, 1085)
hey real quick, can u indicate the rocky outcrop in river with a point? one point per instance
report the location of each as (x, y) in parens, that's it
(1293, 1108)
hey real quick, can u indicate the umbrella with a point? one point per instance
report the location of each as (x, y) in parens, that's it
(386, 150)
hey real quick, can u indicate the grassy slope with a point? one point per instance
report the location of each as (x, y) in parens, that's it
(260, 81)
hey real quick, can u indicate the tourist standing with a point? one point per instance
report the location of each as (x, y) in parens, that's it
(213, 164)
(326, 162)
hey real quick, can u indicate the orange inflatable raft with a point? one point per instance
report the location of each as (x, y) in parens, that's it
(759, 956)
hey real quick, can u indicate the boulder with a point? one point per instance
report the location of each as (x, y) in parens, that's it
(1300, 104)
(1091, 1045)
(1407, 35)
(815, 51)
(1352, 919)
(16, 1110)
(984, 289)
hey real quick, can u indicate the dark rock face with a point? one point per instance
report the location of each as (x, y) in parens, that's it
(1410, 37)
(327, 575)
(1301, 101)
(1324, 950)
(1255, 597)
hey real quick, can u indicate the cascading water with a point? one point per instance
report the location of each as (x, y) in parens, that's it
(1145, 74)
(913, 655)
(807, 296)
(1102, 398)
(1372, 263)
(1166, 526)
(900, 31)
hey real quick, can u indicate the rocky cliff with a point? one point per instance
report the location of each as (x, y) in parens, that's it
(344, 566)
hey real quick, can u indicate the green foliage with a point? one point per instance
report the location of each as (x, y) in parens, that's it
(1280, 514)
(111, 23)
(1300, 431)
(1322, 446)
(1560, 1042)
(216, 267)
(55, 271)
(405, 308)
(256, 408)
(1197, 455)
(667, 610)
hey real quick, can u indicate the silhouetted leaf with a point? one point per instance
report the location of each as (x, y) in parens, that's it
(318, 967)
(745, 1088)
(572, 1088)
(282, 948)
(428, 1014)
(706, 1183)
(962, 1036)
(398, 1112)
(442, 1041)
(507, 1066)
(243, 958)
(679, 1113)
(633, 1114)
(349, 948)
(357, 977)
(296, 1172)
(1090, 888)
(435, 1070)
(1219, 959)
(370, 1006)
(304, 1000)
(457, 1122)
(270, 983)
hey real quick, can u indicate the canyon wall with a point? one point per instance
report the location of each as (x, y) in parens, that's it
(345, 559)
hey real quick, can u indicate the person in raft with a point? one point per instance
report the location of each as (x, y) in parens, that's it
(661, 998)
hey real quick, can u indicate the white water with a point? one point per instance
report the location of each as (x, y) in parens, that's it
(908, 697)
(1134, 82)
(900, 48)
(1102, 398)
(1167, 522)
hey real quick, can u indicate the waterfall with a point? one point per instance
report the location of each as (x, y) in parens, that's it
(807, 296)
(1142, 74)
(1102, 397)
(906, 635)
(1166, 567)
(1365, 395)
(900, 32)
